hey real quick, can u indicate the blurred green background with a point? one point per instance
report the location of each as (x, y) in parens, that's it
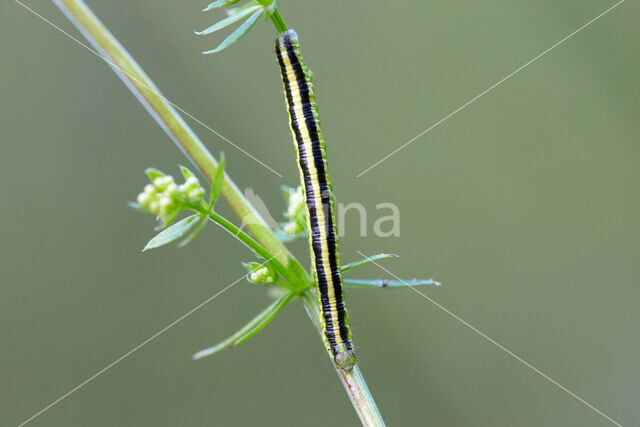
(524, 204)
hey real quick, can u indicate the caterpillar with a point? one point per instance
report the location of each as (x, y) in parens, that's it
(312, 162)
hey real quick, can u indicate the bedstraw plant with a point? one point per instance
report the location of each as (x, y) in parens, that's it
(184, 209)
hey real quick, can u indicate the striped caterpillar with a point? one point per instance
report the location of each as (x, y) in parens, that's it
(312, 162)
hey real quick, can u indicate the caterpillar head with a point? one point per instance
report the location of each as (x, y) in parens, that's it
(345, 360)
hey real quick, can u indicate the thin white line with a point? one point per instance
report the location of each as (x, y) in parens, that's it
(494, 342)
(91, 378)
(152, 89)
(489, 89)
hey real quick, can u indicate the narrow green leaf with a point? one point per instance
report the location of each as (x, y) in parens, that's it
(195, 233)
(240, 32)
(172, 233)
(186, 172)
(216, 182)
(153, 173)
(380, 283)
(249, 242)
(229, 20)
(353, 265)
(250, 329)
(219, 3)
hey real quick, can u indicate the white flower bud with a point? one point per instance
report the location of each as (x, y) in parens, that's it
(196, 195)
(165, 207)
(143, 199)
(296, 201)
(262, 275)
(165, 202)
(192, 182)
(172, 189)
(162, 182)
(153, 207)
(159, 183)
(150, 189)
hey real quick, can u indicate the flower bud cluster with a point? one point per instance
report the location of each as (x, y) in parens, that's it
(164, 198)
(296, 213)
(191, 190)
(260, 273)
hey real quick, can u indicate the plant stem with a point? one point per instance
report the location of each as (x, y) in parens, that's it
(292, 282)
(168, 118)
(278, 21)
(353, 381)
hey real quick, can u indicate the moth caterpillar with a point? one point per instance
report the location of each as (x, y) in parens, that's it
(312, 162)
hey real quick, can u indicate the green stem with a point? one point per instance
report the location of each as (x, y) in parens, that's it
(353, 381)
(169, 119)
(278, 21)
(292, 282)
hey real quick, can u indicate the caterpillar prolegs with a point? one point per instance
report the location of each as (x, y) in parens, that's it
(312, 162)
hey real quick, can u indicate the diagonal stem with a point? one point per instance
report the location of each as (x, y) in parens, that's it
(353, 381)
